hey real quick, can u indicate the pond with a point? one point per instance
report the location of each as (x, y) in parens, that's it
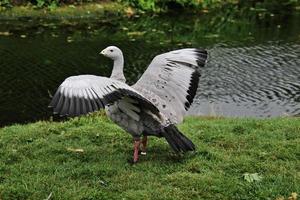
(253, 68)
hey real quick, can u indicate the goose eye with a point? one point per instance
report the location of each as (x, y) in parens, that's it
(111, 50)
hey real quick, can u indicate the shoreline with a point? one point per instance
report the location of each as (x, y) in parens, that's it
(85, 11)
(108, 8)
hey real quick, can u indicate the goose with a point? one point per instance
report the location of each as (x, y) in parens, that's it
(153, 106)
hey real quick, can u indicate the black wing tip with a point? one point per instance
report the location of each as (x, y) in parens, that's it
(202, 56)
(192, 88)
(63, 108)
(201, 50)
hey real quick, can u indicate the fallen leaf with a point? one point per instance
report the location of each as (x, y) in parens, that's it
(75, 150)
(252, 177)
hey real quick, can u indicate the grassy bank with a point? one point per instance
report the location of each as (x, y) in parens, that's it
(86, 158)
(95, 8)
(88, 10)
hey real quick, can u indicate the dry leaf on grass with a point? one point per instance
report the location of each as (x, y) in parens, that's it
(75, 150)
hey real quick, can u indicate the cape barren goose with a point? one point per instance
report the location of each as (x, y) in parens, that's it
(152, 106)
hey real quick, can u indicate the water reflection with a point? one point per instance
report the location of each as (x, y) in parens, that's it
(253, 68)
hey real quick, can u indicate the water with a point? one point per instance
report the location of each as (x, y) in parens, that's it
(251, 81)
(253, 68)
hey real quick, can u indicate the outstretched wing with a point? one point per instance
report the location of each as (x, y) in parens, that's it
(171, 81)
(83, 94)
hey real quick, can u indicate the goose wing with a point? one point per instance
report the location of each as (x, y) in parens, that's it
(171, 81)
(83, 94)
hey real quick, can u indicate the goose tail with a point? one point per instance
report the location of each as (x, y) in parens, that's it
(177, 140)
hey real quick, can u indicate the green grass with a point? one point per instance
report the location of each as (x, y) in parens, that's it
(45, 158)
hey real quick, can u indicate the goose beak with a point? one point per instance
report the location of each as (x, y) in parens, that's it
(102, 52)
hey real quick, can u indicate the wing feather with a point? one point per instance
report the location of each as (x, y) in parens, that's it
(93, 100)
(171, 81)
(88, 101)
(82, 94)
(72, 103)
(60, 102)
(66, 105)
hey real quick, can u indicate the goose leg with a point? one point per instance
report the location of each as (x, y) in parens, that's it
(136, 150)
(144, 145)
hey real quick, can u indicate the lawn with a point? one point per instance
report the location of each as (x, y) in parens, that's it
(86, 158)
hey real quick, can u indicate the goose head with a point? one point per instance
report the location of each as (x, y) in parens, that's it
(112, 52)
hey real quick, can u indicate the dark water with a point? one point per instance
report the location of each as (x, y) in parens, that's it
(253, 68)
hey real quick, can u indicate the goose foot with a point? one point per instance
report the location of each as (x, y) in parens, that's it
(136, 151)
(144, 145)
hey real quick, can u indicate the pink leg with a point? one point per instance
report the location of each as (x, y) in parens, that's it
(144, 145)
(136, 150)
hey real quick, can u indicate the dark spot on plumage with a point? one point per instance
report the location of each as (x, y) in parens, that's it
(164, 106)
(187, 105)
(167, 68)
